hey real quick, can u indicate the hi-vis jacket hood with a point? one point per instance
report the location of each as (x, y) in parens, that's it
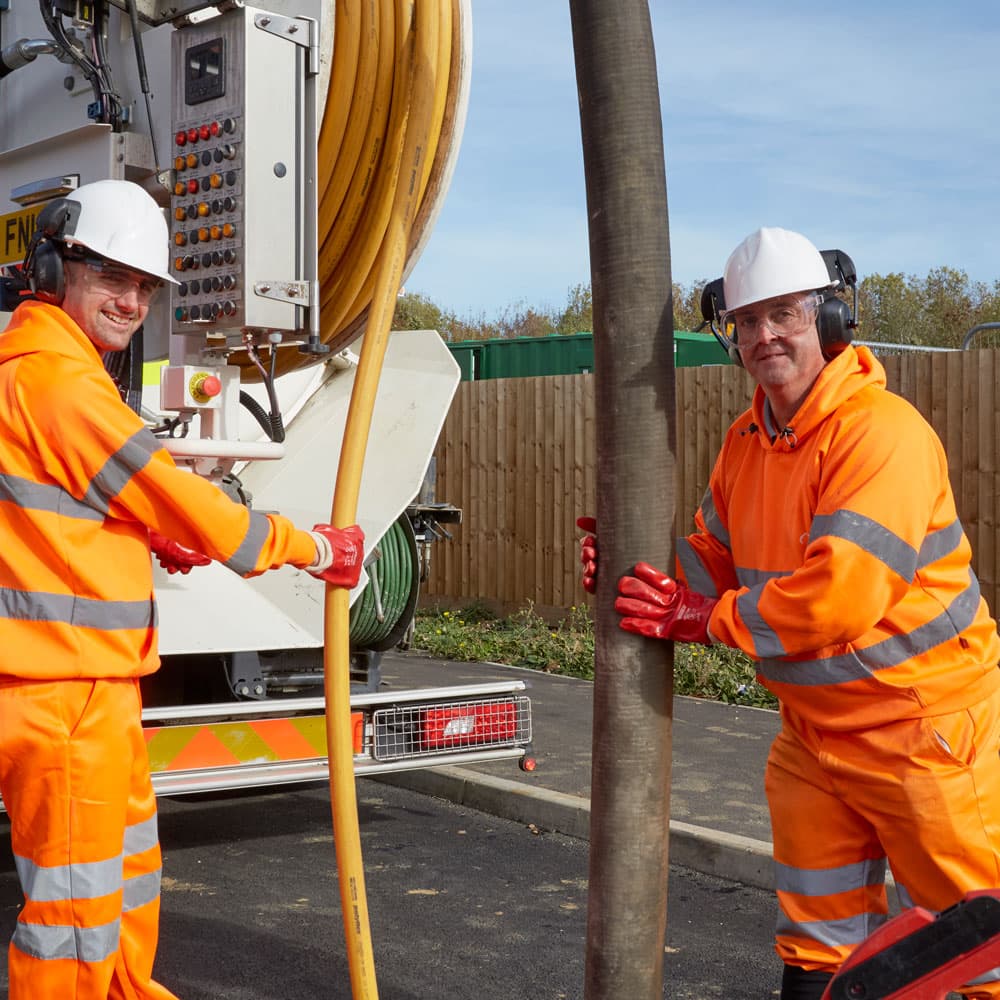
(835, 548)
(82, 481)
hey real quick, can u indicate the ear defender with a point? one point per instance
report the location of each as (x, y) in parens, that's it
(43, 263)
(835, 324)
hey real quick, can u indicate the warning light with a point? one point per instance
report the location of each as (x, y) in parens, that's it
(205, 132)
(214, 128)
(180, 188)
(181, 138)
(192, 135)
(192, 186)
(215, 180)
(180, 239)
(203, 209)
(192, 160)
(179, 162)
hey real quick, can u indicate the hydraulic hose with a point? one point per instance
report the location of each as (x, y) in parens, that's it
(404, 167)
(381, 614)
(367, 103)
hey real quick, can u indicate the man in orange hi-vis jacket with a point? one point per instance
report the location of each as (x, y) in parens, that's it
(86, 491)
(828, 548)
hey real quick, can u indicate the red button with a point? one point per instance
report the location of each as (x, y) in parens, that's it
(181, 138)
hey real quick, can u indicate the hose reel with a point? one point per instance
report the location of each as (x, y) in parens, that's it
(382, 613)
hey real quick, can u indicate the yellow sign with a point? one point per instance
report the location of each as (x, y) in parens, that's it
(15, 234)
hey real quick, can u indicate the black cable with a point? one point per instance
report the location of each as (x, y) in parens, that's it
(271, 423)
(53, 22)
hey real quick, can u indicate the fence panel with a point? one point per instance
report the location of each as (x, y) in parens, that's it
(517, 455)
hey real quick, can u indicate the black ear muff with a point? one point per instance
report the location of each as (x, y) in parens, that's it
(835, 325)
(43, 263)
(47, 277)
(713, 305)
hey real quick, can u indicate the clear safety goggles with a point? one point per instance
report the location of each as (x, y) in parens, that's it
(784, 318)
(115, 280)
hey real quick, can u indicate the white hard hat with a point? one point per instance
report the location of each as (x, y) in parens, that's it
(120, 221)
(772, 262)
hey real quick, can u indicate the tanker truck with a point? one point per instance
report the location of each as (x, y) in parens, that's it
(266, 137)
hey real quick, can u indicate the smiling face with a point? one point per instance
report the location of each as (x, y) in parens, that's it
(785, 364)
(108, 304)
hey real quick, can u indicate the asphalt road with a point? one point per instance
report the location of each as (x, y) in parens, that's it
(463, 905)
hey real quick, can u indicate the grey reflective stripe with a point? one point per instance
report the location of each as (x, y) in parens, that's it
(874, 538)
(82, 944)
(766, 643)
(889, 652)
(987, 977)
(41, 496)
(111, 479)
(24, 605)
(756, 577)
(849, 930)
(84, 880)
(829, 881)
(244, 559)
(712, 520)
(140, 890)
(698, 577)
(140, 837)
(905, 899)
(939, 544)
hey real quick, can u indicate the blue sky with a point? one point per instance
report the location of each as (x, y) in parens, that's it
(869, 125)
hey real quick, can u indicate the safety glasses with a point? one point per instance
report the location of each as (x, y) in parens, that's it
(783, 317)
(115, 280)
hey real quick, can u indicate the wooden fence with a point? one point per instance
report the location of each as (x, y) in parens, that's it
(517, 455)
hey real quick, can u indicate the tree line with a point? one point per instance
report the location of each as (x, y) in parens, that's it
(933, 311)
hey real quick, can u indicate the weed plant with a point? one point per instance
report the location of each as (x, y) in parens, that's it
(525, 639)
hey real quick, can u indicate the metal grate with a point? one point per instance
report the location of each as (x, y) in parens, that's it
(411, 731)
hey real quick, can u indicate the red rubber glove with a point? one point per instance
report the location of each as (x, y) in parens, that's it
(340, 553)
(588, 553)
(659, 607)
(174, 557)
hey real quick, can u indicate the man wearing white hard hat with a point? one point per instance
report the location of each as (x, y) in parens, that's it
(828, 548)
(86, 492)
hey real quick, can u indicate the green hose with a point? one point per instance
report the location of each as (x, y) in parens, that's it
(393, 579)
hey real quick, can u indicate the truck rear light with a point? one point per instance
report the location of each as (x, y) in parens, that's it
(411, 731)
(469, 724)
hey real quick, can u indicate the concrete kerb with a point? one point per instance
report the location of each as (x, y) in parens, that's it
(739, 859)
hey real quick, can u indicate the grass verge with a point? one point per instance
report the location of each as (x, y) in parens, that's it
(526, 640)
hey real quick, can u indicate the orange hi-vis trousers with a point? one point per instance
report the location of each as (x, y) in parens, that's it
(920, 794)
(74, 776)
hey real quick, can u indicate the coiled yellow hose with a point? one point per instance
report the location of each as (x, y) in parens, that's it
(369, 102)
(370, 215)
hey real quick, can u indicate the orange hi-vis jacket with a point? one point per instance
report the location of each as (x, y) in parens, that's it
(836, 551)
(82, 482)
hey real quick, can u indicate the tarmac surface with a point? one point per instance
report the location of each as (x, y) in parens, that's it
(719, 819)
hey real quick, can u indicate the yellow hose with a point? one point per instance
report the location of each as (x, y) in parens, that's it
(417, 57)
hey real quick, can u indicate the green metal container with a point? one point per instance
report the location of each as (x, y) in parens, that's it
(568, 354)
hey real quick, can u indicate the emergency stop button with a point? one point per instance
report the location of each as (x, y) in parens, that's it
(204, 387)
